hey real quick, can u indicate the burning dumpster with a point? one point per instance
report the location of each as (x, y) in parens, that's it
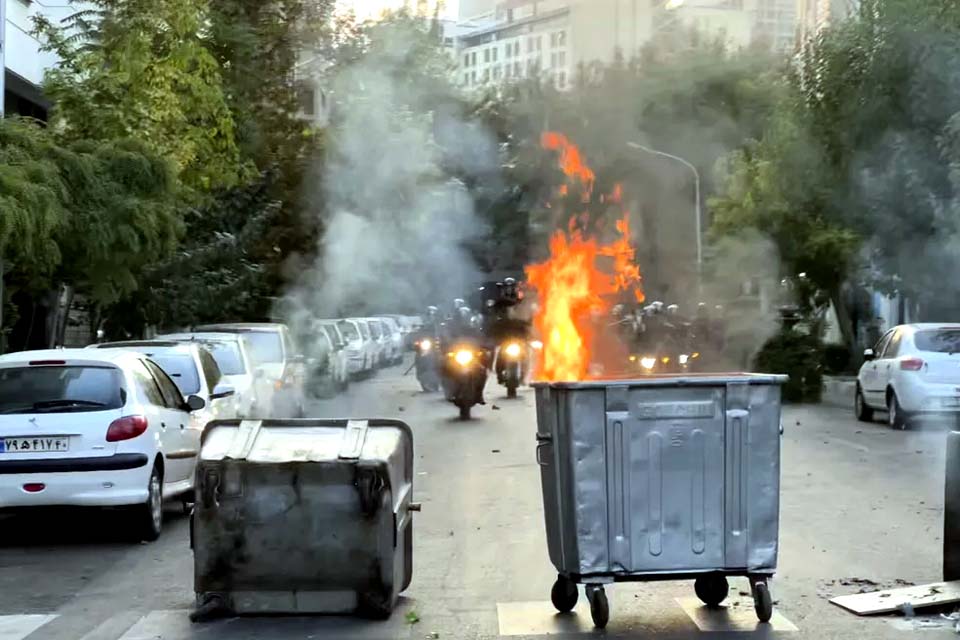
(661, 479)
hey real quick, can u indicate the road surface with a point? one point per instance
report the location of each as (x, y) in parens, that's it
(858, 501)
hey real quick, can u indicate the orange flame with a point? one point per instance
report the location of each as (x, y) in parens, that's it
(579, 279)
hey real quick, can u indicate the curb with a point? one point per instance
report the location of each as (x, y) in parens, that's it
(839, 391)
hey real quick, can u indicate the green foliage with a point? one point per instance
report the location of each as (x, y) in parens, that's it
(140, 69)
(797, 355)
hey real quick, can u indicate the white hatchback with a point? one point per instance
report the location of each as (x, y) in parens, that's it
(913, 371)
(95, 428)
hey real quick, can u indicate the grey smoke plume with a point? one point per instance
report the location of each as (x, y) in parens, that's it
(398, 219)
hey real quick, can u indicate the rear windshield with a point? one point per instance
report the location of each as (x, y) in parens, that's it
(265, 347)
(349, 330)
(227, 355)
(938, 340)
(182, 370)
(60, 389)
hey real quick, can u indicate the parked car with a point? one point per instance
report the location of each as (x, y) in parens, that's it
(395, 334)
(340, 361)
(85, 427)
(326, 363)
(913, 371)
(279, 372)
(382, 342)
(194, 371)
(361, 351)
(232, 355)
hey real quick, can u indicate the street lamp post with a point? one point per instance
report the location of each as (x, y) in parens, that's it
(696, 206)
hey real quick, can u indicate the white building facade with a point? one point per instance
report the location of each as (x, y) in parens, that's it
(22, 59)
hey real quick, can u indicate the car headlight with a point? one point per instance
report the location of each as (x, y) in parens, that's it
(684, 358)
(513, 350)
(463, 357)
(648, 363)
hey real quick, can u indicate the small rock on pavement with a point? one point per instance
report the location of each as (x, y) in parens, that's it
(401, 409)
(495, 408)
(433, 635)
(494, 450)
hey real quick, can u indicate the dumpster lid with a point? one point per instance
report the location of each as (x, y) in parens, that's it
(276, 441)
(669, 380)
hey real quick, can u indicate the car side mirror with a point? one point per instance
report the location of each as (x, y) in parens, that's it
(222, 391)
(195, 403)
(868, 355)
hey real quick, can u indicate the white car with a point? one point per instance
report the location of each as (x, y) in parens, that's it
(395, 334)
(381, 341)
(913, 371)
(340, 363)
(280, 371)
(232, 355)
(92, 428)
(193, 369)
(361, 350)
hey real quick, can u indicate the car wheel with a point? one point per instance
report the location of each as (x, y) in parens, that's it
(895, 416)
(147, 518)
(860, 408)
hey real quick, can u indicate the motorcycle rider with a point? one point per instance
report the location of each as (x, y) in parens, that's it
(465, 327)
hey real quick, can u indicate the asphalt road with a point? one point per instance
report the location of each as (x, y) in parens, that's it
(858, 501)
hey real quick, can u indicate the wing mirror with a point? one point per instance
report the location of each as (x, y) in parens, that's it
(195, 403)
(868, 355)
(222, 391)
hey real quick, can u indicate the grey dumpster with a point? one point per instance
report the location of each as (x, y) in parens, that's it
(303, 516)
(661, 478)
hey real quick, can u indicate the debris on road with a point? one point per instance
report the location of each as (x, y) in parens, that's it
(412, 617)
(903, 599)
(495, 408)
(433, 635)
(401, 409)
(494, 450)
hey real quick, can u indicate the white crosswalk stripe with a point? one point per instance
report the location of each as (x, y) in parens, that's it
(18, 627)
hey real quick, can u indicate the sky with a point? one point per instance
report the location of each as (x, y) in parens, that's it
(372, 8)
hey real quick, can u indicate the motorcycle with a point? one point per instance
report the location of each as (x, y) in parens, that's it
(425, 361)
(464, 376)
(513, 360)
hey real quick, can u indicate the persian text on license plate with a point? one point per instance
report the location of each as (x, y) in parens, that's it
(34, 445)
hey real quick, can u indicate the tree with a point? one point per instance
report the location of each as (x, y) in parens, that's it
(140, 69)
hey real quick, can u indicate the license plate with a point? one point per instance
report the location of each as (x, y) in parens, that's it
(34, 445)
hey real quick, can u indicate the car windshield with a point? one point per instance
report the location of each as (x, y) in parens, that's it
(349, 330)
(265, 347)
(56, 389)
(228, 357)
(938, 340)
(181, 368)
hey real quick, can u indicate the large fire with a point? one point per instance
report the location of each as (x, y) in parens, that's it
(577, 284)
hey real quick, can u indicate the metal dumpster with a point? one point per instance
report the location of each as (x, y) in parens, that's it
(303, 516)
(661, 478)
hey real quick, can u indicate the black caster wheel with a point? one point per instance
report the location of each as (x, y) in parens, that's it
(712, 589)
(599, 607)
(564, 594)
(762, 601)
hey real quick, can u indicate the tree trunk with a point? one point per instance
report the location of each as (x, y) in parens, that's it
(64, 315)
(842, 311)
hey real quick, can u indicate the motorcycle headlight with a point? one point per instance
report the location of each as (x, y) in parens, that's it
(426, 344)
(684, 358)
(513, 350)
(536, 344)
(463, 357)
(648, 363)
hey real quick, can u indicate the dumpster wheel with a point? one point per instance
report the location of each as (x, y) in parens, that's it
(564, 594)
(712, 589)
(599, 607)
(762, 601)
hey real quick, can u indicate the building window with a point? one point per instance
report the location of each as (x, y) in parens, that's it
(466, 60)
(495, 50)
(473, 59)
(562, 58)
(529, 45)
(562, 81)
(473, 77)
(516, 48)
(561, 38)
(517, 69)
(496, 72)
(466, 78)
(507, 51)
(486, 75)
(506, 71)
(486, 55)
(553, 60)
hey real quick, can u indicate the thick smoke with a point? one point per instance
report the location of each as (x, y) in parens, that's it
(398, 219)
